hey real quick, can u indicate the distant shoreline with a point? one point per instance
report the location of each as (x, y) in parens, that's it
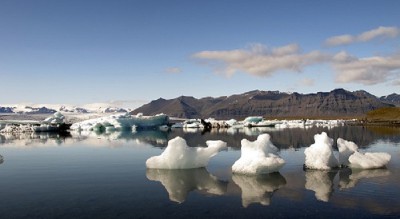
(71, 118)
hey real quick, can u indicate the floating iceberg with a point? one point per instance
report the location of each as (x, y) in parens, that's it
(369, 160)
(258, 157)
(346, 149)
(320, 154)
(179, 183)
(56, 118)
(178, 155)
(349, 156)
(258, 189)
(121, 122)
(53, 123)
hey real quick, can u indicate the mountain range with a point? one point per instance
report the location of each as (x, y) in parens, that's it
(63, 109)
(272, 104)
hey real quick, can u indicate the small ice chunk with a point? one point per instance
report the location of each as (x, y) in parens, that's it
(350, 156)
(346, 149)
(178, 155)
(320, 154)
(369, 160)
(258, 157)
(56, 118)
(121, 122)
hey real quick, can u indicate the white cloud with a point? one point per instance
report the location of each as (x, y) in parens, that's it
(258, 60)
(389, 32)
(380, 32)
(173, 70)
(307, 82)
(367, 71)
(339, 40)
(396, 83)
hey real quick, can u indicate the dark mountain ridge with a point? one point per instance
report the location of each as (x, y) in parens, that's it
(391, 99)
(272, 104)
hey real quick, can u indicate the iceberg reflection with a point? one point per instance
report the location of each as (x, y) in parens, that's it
(37, 139)
(260, 188)
(321, 182)
(179, 183)
(154, 137)
(350, 178)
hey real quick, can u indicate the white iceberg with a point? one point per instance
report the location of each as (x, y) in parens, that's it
(258, 157)
(178, 155)
(56, 118)
(320, 155)
(179, 183)
(350, 156)
(346, 149)
(369, 160)
(121, 122)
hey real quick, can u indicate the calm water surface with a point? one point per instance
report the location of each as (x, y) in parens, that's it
(91, 175)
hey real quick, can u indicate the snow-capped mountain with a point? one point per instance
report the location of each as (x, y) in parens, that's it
(52, 108)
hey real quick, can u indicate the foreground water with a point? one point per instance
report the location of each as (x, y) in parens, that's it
(91, 175)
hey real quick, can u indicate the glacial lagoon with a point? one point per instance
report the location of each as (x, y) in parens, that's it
(103, 175)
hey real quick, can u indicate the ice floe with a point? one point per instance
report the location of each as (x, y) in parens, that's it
(350, 156)
(52, 123)
(121, 122)
(346, 149)
(178, 155)
(258, 157)
(320, 154)
(369, 160)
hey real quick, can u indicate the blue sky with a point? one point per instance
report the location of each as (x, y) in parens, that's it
(76, 52)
